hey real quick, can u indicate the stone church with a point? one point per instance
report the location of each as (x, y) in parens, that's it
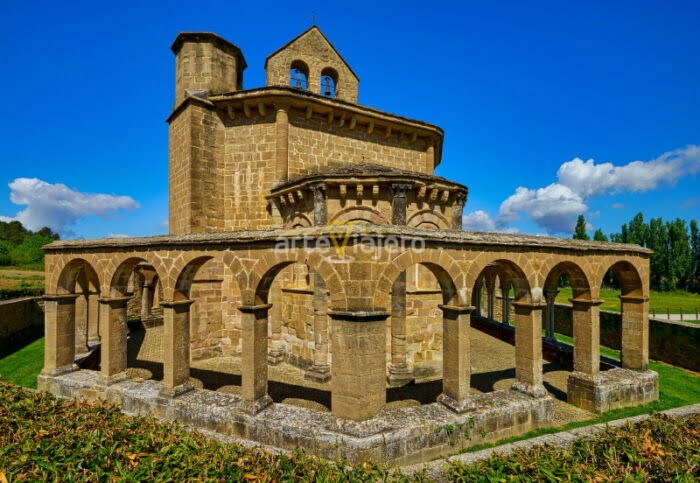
(310, 231)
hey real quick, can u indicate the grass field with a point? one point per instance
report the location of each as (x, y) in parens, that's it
(22, 367)
(659, 302)
(16, 278)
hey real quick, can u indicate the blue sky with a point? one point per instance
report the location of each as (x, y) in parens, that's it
(521, 88)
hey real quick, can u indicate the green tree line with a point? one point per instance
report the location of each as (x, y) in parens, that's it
(22, 247)
(675, 263)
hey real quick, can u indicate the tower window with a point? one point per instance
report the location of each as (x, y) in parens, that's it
(299, 75)
(329, 82)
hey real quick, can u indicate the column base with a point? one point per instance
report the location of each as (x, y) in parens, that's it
(534, 390)
(399, 375)
(275, 357)
(254, 407)
(57, 371)
(173, 392)
(616, 388)
(318, 373)
(454, 405)
(113, 379)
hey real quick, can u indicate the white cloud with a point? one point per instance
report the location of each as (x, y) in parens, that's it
(118, 235)
(6, 219)
(57, 206)
(481, 221)
(590, 179)
(617, 206)
(478, 221)
(556, 206)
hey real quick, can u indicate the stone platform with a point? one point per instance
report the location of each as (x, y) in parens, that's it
(613, 389)
(397, 436)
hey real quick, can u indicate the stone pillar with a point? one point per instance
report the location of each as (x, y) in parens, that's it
(635, 332)
(528, 349)
(146, 300)
(458, 211)
(59, 337)
(282, 149)
(399, 203)
(254, 358)
(456, 368)
(430, 157)
(319, 204)
(320, 370)
(491, 296)
(550, 297)
(359, 363)
(93, 317)
(176, 348)
(586, 322)
(82, 310)
(505, 300)
(399, 374)
(114, 332)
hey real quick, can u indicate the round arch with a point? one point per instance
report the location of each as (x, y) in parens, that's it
(428, 218)
(365, 214)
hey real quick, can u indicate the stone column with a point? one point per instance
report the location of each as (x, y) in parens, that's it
(282, 149)
(254, 358)
(59, 337)
(359, 363)
(114, 333)
(430, 157)
(635, 332)
(176, 348)
(82, 309)
(477, 302)
(146, 300)
(456, 368)
(505, 300)
(319, 204)
(399, 203)
(458, 210)
(550, 297)
(586, 322)
(528, 349)
(491, 296)
(399, 374)
(93, 317)
(320, 370)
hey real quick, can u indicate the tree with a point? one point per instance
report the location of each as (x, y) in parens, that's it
(695, 249)
(600, 236)
(679, 254)
(657, 240)
(30, 250)
(580, 229)
(637, 232)
(5, 248)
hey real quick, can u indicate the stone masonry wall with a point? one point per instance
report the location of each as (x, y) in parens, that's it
(20, 320)
(314, 145)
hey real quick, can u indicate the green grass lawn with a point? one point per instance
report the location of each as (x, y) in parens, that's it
(22, 367)
(659, 302)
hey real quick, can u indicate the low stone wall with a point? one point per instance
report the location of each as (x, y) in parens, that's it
(20, 320)
(672, 342)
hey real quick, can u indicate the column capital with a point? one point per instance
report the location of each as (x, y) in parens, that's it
(457, 309)
(635, 299)
(68, 297)
(359, 315)
(318, 189)
(176, 303)
(592, 303)
(114, 301)
(528, 305)
(254, 309)
(399, 189)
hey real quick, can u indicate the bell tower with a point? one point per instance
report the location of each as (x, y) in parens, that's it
(310, 62)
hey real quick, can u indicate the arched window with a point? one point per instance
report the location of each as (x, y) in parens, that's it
(299, 75)
(329, 82)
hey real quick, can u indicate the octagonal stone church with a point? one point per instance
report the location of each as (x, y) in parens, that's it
(309, 232)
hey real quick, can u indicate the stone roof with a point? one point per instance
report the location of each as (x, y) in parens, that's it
(365, 170)
(447, 237)
(210, 37)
